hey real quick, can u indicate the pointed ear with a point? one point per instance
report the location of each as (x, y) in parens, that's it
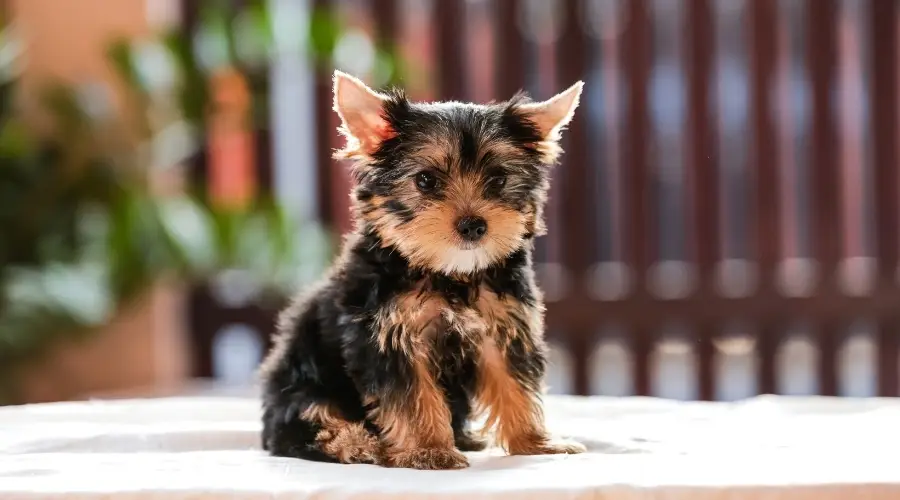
(362, 116)
(552, 115)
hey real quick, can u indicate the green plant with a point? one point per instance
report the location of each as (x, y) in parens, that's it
(83, 231)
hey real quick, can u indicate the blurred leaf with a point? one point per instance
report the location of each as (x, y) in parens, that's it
(68, 115)
(388, 69)
(324, 32)
(15, 141)
(214, 41)
(194, 93)
(253, 36)
(121, 58)
(188, 231)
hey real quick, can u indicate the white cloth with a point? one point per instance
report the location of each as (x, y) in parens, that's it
(198, 448)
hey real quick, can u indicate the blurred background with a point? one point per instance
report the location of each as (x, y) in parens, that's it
(724, 222)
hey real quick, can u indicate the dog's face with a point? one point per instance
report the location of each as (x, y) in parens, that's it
(454, 187)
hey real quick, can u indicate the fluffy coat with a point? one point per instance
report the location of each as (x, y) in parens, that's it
(430, 314)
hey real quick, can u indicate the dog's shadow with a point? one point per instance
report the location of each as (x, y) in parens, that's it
(606, 448)
(501, 461)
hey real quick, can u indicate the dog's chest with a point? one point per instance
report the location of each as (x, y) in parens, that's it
(451, 320)
(444, 315)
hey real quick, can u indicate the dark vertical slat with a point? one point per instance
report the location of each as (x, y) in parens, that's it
(636, 58)
(325, 173)
(641, 347)
(637, 66)
(828, 342)
(704, 174)
(387, 28)
(573, 49)
(705, 357)
(883, 44)
(821, 55)
(884, 127)
(189, 12)
(510, 48)
(201, 321)
(580, 349)
(765, 157)
(762, 45)
(578, 251)
(448, 15)
(386, 23)
(766, 348)
(263, 158)
(888, 351)
(701, 151)
(823, 153)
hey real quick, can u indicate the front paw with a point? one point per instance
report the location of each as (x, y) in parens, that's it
(429, 459)
(466, 441)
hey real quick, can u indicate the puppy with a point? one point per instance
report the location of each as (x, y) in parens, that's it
(430, 315)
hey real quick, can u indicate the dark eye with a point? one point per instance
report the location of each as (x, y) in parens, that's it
(498, 181)
(426, 182)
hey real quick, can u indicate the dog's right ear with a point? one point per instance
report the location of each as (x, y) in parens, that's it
(362, 116)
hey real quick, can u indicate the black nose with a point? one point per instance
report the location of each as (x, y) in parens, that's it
(471, 228)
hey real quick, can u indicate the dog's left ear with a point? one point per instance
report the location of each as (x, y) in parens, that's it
(362, 115)
(552, 115)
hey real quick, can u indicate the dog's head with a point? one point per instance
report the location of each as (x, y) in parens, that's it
(455, 187)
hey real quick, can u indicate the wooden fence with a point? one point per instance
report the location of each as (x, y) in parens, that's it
(733, 162)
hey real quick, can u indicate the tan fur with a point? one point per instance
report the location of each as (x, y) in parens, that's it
(513, 411)
(417, 433)
(535, 221)
(550, 151)
(434, 151)
(348, 442)
(428, 459)
(466, 322)
(503, 151)
(424, 420)
(407, 322)
(322, 414)
(502, 315)
(412, 319)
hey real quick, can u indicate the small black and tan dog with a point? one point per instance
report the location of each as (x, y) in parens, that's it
(430, 316)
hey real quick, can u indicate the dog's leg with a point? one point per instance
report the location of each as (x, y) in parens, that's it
(416, 423)
(390, 360)
(461, 411)
(508, 387)
(345, 441)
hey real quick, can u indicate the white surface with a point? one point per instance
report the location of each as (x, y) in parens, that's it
(198, 448)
